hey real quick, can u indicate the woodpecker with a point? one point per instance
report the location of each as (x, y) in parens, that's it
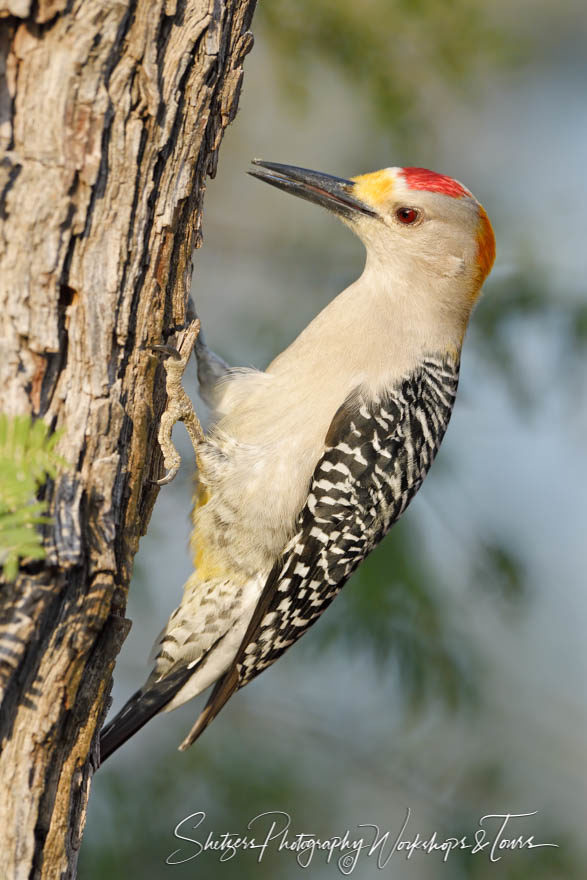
(309, 463)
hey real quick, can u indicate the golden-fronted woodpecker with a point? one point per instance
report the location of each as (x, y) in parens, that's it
(309, 463)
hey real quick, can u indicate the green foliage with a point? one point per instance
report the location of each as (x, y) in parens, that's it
(501, 572)
(511, 305)
(392, 53)
(224, 777)
(390, 608)
(360, 40)
(539, 863)
(27, 458)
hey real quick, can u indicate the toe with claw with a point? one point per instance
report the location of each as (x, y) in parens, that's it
(179, 406)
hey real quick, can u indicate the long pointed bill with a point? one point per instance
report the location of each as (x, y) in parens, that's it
(334, 193)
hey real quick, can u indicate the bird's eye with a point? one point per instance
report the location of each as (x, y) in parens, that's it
(407, 215)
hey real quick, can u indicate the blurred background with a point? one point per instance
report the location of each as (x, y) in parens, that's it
(449, 676)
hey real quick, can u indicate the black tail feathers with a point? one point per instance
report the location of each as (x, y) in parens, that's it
(141, 707)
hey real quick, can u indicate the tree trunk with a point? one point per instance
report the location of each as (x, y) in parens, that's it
(111, 114)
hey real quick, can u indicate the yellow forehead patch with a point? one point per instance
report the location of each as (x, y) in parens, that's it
(373, 188)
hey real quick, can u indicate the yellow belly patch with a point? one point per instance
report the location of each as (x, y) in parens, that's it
(207, 564)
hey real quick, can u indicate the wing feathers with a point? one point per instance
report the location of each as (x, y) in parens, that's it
(139, 709)
(377, 454)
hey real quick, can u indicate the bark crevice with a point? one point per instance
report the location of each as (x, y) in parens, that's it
(111, 116)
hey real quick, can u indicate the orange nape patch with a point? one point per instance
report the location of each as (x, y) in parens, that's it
(373, 188)
(485, 246)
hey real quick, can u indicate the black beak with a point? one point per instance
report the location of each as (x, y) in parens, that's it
(334, 193)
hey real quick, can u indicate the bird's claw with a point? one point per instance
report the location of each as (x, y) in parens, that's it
(168, 350)
(168, 478)
(179, 407)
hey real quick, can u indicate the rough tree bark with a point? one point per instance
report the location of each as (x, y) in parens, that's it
(111, 114)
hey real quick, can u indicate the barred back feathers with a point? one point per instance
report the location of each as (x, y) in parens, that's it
(312, 461)
(377, 456)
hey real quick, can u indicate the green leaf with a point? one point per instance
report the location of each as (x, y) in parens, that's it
(27, 458)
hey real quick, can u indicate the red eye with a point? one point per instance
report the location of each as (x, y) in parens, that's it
(407, 215)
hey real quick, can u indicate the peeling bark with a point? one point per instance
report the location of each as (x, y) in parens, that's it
(111, 114)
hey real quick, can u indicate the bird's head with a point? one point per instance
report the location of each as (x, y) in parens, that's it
(422, 229)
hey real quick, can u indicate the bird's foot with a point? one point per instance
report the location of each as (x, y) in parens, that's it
(179, 407)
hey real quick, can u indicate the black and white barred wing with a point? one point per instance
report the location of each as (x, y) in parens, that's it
(345, 516)
(376, 458)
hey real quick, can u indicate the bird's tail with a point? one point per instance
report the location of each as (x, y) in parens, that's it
(139, 709)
